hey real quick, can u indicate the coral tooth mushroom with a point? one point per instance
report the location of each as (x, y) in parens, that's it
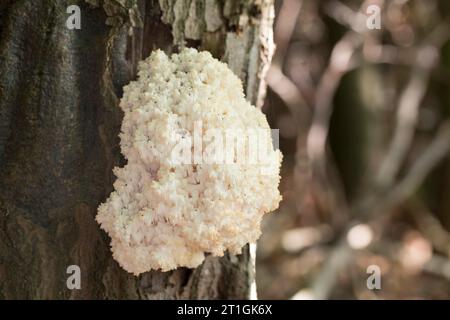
(165, 212)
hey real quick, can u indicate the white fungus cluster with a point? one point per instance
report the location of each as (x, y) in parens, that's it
(163, 214)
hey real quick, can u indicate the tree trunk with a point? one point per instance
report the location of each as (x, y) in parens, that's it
(59, 126)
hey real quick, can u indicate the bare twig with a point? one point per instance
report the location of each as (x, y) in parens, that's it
(346, 16)
(288, 92)
(431, 227)
(409, 104)
(284, 28)
(277, 81)
(341, 254)
(340, 63)
(437, 150)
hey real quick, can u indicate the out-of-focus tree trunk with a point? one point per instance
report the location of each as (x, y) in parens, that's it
(59, 125)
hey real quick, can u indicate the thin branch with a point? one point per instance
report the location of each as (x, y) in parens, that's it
(346, 16)
(431, 228)
(342, 253)
(342, 60)
(437, 150)
(289, 93)
(276, 80)
(340, 63)
(408, 110)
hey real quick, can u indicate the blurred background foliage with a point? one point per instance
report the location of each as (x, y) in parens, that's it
(363, 118)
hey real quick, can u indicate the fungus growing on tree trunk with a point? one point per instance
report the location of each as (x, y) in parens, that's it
(187, 190)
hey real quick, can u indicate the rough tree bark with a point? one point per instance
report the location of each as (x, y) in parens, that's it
(59, 125)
